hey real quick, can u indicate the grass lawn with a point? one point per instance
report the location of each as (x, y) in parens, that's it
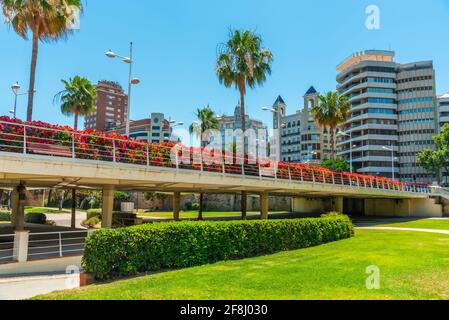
(194, 214)
(434, 224)
(412, 266)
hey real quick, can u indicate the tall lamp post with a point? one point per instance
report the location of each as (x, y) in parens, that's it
(392, 159)
(15, 89)
(280, 126)
(344, 134)
(131, 81)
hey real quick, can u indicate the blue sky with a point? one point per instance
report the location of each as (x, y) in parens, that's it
(175, 49)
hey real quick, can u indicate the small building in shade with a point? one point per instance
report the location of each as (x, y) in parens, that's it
(302, 139)
(443, 109)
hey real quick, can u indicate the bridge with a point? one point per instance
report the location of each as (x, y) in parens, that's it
(39, 155)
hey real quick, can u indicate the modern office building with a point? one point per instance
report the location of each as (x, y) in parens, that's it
(110, 107)
(393, 117)
(443, 104)
(234, 122)
(302, 139)
(154, 129)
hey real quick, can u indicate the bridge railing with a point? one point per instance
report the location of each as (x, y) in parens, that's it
(37, 138)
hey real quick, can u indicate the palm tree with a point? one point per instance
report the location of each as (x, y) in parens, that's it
(47, 20)
(206, 120)
(331, 111)
(243, 62)
(78, 98)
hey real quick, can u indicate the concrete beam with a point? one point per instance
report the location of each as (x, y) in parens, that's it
(176, 205)
(107, 207)
(264, 205)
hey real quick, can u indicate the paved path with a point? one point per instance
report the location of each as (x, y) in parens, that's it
(31, 286)
(64, 219)
(404, 229)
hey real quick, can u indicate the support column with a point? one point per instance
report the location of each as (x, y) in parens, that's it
(18, 207)
(337, 204)
(107, 207)
(176, 205)
(264, 205)
(20, 251)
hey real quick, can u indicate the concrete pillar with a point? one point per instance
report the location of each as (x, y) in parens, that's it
(337, 204)
(176, 205)
(107, 207)
(20, 251)
(264, 206)
(18, 199)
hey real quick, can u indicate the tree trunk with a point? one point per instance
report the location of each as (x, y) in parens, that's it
(244, 205)
(200, 211)
(75, 125)
(32, 75)
(49, 197)
(332, 143)
(244, 202)
(73, 218)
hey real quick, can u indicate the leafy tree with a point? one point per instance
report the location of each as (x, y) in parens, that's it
(433, 161)
(46, 20)
(77, 99)
(206, 121)
(338, 165)
(331, 111)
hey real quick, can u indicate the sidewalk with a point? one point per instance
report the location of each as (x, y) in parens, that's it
(31, 286)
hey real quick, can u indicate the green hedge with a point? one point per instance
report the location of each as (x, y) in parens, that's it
(127, 251)
(5, 216)
(36, 218)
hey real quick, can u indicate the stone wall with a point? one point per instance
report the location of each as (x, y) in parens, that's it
(212, 202)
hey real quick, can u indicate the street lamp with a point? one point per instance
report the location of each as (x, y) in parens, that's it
(15, 89)
(131, 81)
(392, 159)
(280, 126)
(344, 134)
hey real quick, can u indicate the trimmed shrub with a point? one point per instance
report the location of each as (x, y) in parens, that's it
(36, 218)
(91, 222)
(5, 216)
(93, 213)
(127, 251)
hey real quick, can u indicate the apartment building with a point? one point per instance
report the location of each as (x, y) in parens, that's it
(302, 139)
(234, 122)
(154, 129)
(394, 114)
(110, 107)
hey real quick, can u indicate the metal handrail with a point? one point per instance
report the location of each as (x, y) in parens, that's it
(120, 150)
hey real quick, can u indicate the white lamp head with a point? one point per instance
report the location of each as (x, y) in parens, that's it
(15, 87)
(111, 54)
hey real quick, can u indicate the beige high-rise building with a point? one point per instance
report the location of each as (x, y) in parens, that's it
(394, 114)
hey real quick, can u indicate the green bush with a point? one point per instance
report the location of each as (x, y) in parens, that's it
(332, 214)
(93, 213)
(91, 222)
(121, 252)
(192, 206)
(5, 216)
(36, 218)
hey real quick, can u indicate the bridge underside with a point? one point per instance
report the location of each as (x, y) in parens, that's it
(42, 172)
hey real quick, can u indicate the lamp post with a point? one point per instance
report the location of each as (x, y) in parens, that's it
(392, 159)
(131, 81)
(344, 134)
(280, 126)
(15, 89)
